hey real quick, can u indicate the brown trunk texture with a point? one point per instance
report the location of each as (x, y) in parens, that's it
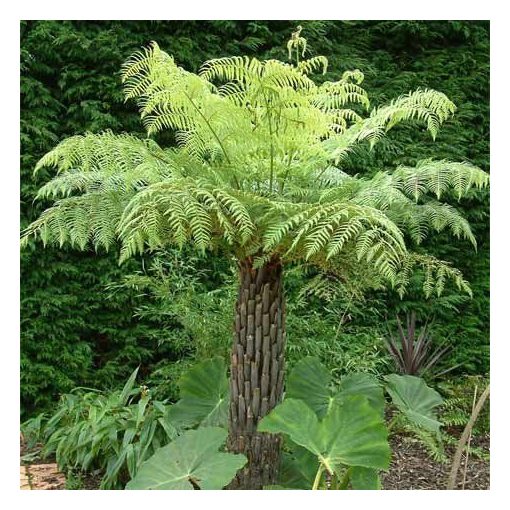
(257, 371)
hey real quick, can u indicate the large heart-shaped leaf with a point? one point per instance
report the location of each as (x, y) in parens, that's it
(352, 433)
(310, 381)
(415, 399)
(204, 396)
(191, 461)
(363, 384)
(298, 468)
(365, 479)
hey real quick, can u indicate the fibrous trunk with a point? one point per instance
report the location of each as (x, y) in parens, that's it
(257, 371)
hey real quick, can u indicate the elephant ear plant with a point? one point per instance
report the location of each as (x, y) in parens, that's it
(190, 462)
(257, 176)
(337, 436)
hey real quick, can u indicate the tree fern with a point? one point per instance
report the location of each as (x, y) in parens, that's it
(257, 173)
(257, 169)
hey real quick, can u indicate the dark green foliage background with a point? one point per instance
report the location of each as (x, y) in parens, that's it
(78, 331)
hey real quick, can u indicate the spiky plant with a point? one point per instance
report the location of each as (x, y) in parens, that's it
(257, 175)
(412, 351)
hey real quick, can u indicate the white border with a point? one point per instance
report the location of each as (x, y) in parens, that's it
(262, 9)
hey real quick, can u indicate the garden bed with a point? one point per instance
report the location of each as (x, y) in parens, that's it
(411, 469)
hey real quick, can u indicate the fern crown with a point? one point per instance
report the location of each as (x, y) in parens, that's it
(257, 170)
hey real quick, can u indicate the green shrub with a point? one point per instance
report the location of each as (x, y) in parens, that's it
(113, 433)
(355, 348)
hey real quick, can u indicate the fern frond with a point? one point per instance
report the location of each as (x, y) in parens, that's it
(230, 69)
(439, 177)
(419, 219)
(310, 65)
(256, 171)
(103, 152)
(181, 211)
(79, 221)
(432, 443)
(328, 228)
(429, 106)
(435, 274)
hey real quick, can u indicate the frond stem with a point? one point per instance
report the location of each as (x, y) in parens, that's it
(287, 171)
(213, 133)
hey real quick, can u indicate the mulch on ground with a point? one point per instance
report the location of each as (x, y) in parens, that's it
(412, 468)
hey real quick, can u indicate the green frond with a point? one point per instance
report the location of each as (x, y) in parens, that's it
(136, 72)
(329, 228)
(80, 221)
(180, 211)
(431, 441)
(233, 208)
(128, 182)
(356, 75)
(257, 171)
(311, 65)
(335, 95)
(326, 287)
(97, 174)
(103, 152)
(240, 69)
(428, 106)
(419, 219)
(439, 177)
(435, 274)
(341, 235)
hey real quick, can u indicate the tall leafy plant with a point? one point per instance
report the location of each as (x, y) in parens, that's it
(257, 175)
(116, 433)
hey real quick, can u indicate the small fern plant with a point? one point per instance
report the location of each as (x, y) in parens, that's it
(257, 175)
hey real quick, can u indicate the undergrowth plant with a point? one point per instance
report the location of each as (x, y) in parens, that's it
(338, 437)
(336, 432)
(115, 433)
(454, 413)
(457, 408)
(412, 350)
(110, 432)
(191, 295)
(259, 175)
(190, 462)
(458, 394)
